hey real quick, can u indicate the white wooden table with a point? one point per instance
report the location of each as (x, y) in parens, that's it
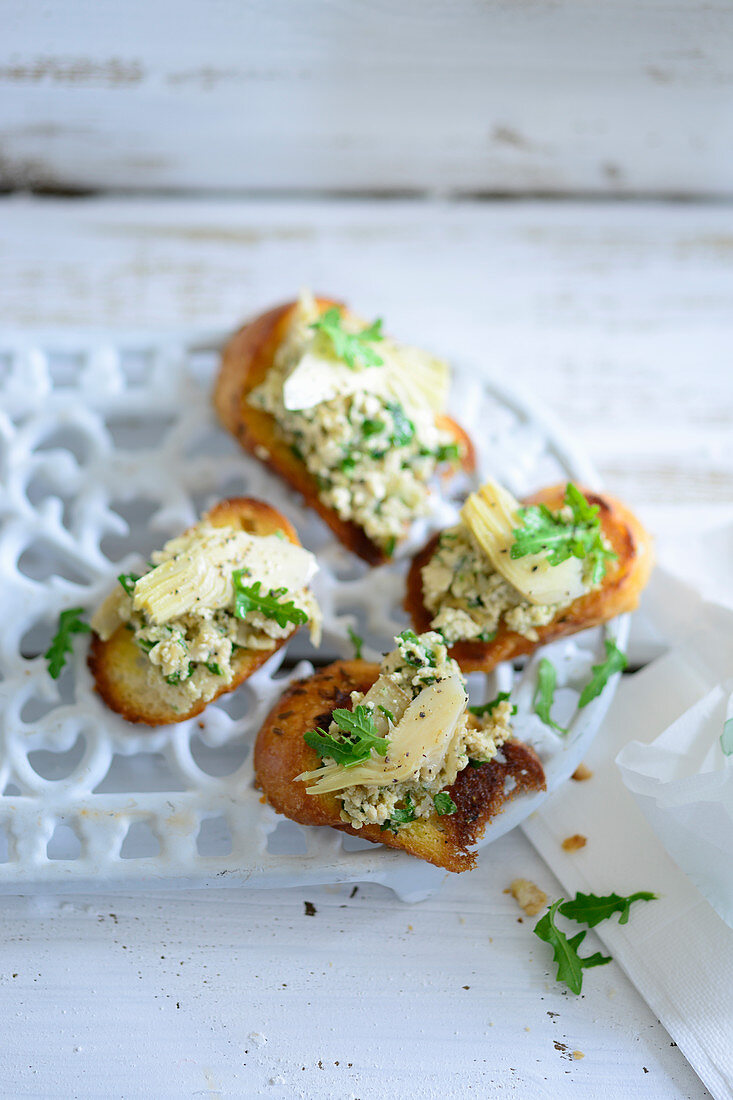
(619, 318)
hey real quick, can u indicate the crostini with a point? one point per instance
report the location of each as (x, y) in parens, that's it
(391, 753)
(214, 604)
(511, 577)
(352, 420)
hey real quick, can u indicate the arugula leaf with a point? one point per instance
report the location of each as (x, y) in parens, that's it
(489, 708)
(404, 429)
(250, 598)
(69, 623)
(615, 661)
(570, 965)
(545, 694)
(400, 816)
(591, 910)
(581, 537)
(128, 582)
(357, 641)
(360, 736)
(444, 804)
(351, 348)
(726, 738)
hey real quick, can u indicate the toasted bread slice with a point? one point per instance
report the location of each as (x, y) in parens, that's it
(120, 670)
(619, 591)
(245, 362)
(479, 793)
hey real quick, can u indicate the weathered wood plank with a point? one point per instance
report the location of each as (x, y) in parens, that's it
(616, 318)
(444, 96)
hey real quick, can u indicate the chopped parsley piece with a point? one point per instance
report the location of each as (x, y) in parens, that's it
(400, 816)
(250, 598)
(357, 641)
(580, 537)
(404, 429)
(390, 546)
(388, 714)
(372, 427)
(591, 910)
(177, 677)
(69, 623)
(444, 804)
(128, 582)
(214, 668)
(448, 452)
(489, 708)
(359, 737)
(351, 348)
(615, 661)
(570, 965)
(486, 636)
(545, 694)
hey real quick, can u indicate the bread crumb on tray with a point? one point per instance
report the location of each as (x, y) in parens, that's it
(528, 896)
(574, 843)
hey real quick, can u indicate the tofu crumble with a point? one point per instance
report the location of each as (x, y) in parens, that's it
(417, 664)
(195, 643)
(371, 453)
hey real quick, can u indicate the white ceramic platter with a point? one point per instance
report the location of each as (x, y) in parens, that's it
(108, 446)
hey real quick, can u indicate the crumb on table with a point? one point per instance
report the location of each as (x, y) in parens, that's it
(528, 896)
(574, 842)
(578, 1054)
(581, 773)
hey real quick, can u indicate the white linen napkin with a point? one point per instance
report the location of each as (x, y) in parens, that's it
(677, 951)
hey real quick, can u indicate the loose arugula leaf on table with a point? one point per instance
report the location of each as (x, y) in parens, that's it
(351, 348)
(570, 965)
(251, 598)
(545, 694)
(615, 661)
(128, 582)
(591, 909)
(359, 737)
(69, 624)
(357, 641)
(489, 708)
(581, 536)
(444, 804)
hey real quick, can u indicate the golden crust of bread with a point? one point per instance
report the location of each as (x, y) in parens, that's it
(120, 669)
(620, 590)
(246, 359)
(281, 753)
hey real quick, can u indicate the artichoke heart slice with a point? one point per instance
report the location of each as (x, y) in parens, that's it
(492, 515)
(420, 740)
(196, 570)
(408, 374)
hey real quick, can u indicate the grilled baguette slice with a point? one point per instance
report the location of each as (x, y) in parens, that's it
(619, 591)
(245, 362)
(120, 669)
(479, 793)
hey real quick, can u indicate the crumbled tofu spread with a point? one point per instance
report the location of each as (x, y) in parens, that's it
(419, 665)
(468, 598)
(181, 612)
(370, 441)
